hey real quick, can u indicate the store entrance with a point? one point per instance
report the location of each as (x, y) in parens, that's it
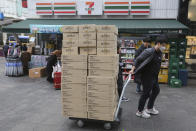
(49, 43)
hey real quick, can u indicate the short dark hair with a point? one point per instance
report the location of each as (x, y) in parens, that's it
(147, 39)
(161, 39)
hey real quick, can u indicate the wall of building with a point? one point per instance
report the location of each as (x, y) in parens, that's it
(160, 9)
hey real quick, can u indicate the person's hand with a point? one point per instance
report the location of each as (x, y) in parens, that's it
(132, 71)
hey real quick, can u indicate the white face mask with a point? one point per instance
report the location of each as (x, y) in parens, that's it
(162, 48)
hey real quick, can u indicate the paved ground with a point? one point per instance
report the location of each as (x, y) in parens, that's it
(33, 105)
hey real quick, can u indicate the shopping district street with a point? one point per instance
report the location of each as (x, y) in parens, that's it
(34, 105)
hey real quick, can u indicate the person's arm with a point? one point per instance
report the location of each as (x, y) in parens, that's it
(144, 55)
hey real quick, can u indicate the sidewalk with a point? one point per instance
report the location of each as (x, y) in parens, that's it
(33, 105)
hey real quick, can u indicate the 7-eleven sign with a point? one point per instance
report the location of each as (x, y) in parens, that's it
(90, 7)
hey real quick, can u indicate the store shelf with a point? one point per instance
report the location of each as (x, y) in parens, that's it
(126, 58)
(126, 68)
(164, 67)
(127, 47)
(125, 73)
(128, 53)
(127, 62)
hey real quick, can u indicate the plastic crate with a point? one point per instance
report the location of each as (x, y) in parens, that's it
(183, 76)
(173, 44)
(175, 83)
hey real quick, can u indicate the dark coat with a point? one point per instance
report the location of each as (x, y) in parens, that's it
(141, 61)
(137, 53)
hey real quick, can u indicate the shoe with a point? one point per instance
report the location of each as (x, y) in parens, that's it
(139, 92)
(152, 111)
(125, 99)
(143, 114)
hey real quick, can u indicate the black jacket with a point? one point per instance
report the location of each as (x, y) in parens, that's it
(137, 53)
(141, 61)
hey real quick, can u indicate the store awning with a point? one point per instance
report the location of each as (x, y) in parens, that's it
(124, 25)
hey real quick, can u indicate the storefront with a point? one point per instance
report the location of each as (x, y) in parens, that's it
(134, 19)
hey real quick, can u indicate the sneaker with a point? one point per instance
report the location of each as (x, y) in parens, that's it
(152, 111)
(143, 114)
(125, 99)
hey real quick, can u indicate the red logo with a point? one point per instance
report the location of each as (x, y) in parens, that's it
(90, 8)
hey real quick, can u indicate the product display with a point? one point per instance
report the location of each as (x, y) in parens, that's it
(38, 61)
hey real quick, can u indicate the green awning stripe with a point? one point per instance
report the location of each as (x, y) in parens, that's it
(116, 7)
(64, 8)
(44, 8)
(140, 7)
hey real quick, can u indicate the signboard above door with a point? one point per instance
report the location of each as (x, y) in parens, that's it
(93, 7)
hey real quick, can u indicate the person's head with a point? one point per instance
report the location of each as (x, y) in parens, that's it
(160, 42)
(57, 53)
(147, 41)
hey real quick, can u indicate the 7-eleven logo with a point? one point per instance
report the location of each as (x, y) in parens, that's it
(90, 7)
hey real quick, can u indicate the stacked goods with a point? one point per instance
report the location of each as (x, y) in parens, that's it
(74, 75)
(102, 96)
(89, 72)
(73, 85)
(87, 40)
(177, 60)
(106, 40)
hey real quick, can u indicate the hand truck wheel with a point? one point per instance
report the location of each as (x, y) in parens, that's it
(107, 126)
(80, 123)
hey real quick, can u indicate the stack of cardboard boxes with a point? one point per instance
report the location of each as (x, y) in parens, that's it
(102, 96)
(89, 71)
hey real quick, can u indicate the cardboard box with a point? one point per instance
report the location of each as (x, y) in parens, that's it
(107, 29)
(69, 43)
(96, 72)
(74, 58)
(74, 86)
(101, 88)
(74, 65)
(99, 80)
(103, 109)
(101, 95)
(106, 51)
(87, 28)
(101, 116)
(103, 66)
(76, 79)
(106, 37)
(70, 36)
(87, 43)
(87, 51)
(37, 72)
(97, 101)
(103, 59)
(88, 36)
(73, 98)
(73, 72)
(69, 28)
(70, 51)
(106, 44)
(75, 114)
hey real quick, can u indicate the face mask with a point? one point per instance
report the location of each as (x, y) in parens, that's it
(162, 48)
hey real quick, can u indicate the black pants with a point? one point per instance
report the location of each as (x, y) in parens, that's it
(49, 73)
(150, 90)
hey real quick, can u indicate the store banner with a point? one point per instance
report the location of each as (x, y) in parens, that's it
(120, 7)
(64, 8)
(44, 8)
(139, 7)
(45, 28)
(90, 7)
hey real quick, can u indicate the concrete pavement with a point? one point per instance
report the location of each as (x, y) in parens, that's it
(33, 105)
